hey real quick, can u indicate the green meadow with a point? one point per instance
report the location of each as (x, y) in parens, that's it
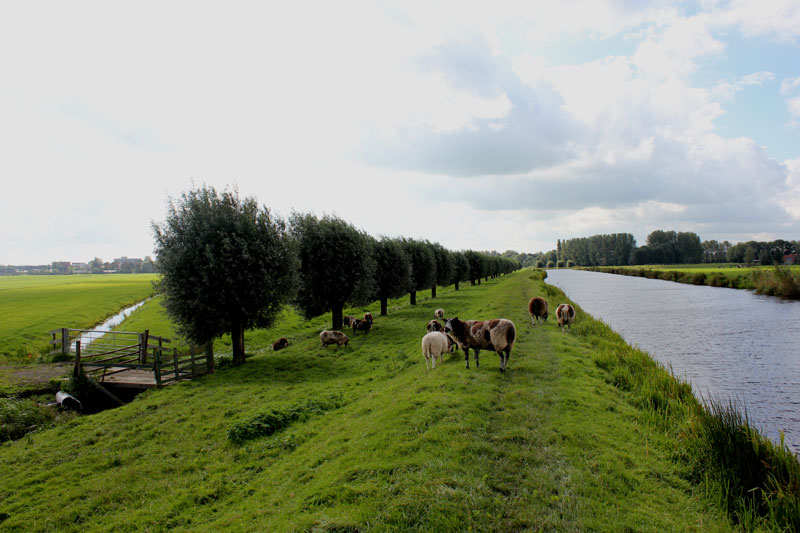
(582, 433)
(31, 306)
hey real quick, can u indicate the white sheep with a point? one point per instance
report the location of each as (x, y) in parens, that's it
(439, 313)
(434, 344)
(333, 337)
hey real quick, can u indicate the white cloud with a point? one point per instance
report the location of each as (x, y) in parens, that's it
(460, 109)
(726, 90)
(789, 84)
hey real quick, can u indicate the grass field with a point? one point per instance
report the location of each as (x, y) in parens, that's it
(374, 442)
(31, 306)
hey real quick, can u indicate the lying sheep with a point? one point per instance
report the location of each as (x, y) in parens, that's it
(333, 337)
(565, 314)
(280, 344)
(434, 344)
(439, 313)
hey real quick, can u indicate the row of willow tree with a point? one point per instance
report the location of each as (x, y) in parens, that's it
(667, 248)
(229, 265)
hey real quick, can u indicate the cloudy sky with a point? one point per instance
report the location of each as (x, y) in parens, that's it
(483, 125)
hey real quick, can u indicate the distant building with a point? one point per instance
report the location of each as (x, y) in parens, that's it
(790, 259)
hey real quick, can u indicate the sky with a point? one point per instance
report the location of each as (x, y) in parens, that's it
(478, 125)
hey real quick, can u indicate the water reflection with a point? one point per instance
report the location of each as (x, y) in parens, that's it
(727, 343)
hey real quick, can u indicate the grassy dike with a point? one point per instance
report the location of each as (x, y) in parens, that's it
(369, 440)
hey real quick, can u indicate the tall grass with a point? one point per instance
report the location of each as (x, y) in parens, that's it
(754, 479)
(781, 281)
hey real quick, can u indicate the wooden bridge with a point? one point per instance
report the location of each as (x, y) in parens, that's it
(130, 359)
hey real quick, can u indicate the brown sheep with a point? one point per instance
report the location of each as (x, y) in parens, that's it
(537, 307)
(280, 344)
(434, 325)
(361, 325)
(498, 335)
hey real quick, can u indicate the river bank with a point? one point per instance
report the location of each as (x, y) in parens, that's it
(780, 281)
(581, 433)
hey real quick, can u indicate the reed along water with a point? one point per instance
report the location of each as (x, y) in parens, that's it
(728, 343)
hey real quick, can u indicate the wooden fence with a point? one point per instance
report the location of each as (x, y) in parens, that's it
(129, 359)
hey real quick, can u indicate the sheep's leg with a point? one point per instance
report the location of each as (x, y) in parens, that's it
(477, 351)
(466, 356)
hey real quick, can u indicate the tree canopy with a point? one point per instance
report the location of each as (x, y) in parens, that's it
(226, 265)
(336, 266)
(393, 270)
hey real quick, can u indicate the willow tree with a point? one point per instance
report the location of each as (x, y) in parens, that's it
(336, 266)
(460, 268)
(227, 266)
(423, 267)
(444, 267)
(393, 271)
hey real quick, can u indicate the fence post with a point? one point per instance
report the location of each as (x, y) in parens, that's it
(143, 339)
(64, 341)
(175, 360)
(157, 368)
(77, 370)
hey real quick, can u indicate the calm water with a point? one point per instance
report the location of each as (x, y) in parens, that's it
(112, 322)
(727, 343)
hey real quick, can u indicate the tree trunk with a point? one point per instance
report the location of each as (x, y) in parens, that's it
(433, 292)
(237, 339)
(413, 297)
(336, 317)
(456, 284)
(384, 306)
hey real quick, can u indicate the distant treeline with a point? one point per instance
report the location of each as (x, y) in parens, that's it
(665, 248)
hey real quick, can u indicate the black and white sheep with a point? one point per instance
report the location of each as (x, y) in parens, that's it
(565, 314)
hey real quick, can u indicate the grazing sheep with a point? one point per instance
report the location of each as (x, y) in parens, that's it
(361, 325)
(537, 307)
(333, 337)
(497, 335)
(434, 344)
(368, 317)
(348, 320)
(280, 344)
(434, 325)
(565, 314)
(439, 313)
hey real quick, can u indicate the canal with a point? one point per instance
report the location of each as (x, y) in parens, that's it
(728, 343)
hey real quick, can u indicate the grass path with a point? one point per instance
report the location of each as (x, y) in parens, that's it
(550, 445)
